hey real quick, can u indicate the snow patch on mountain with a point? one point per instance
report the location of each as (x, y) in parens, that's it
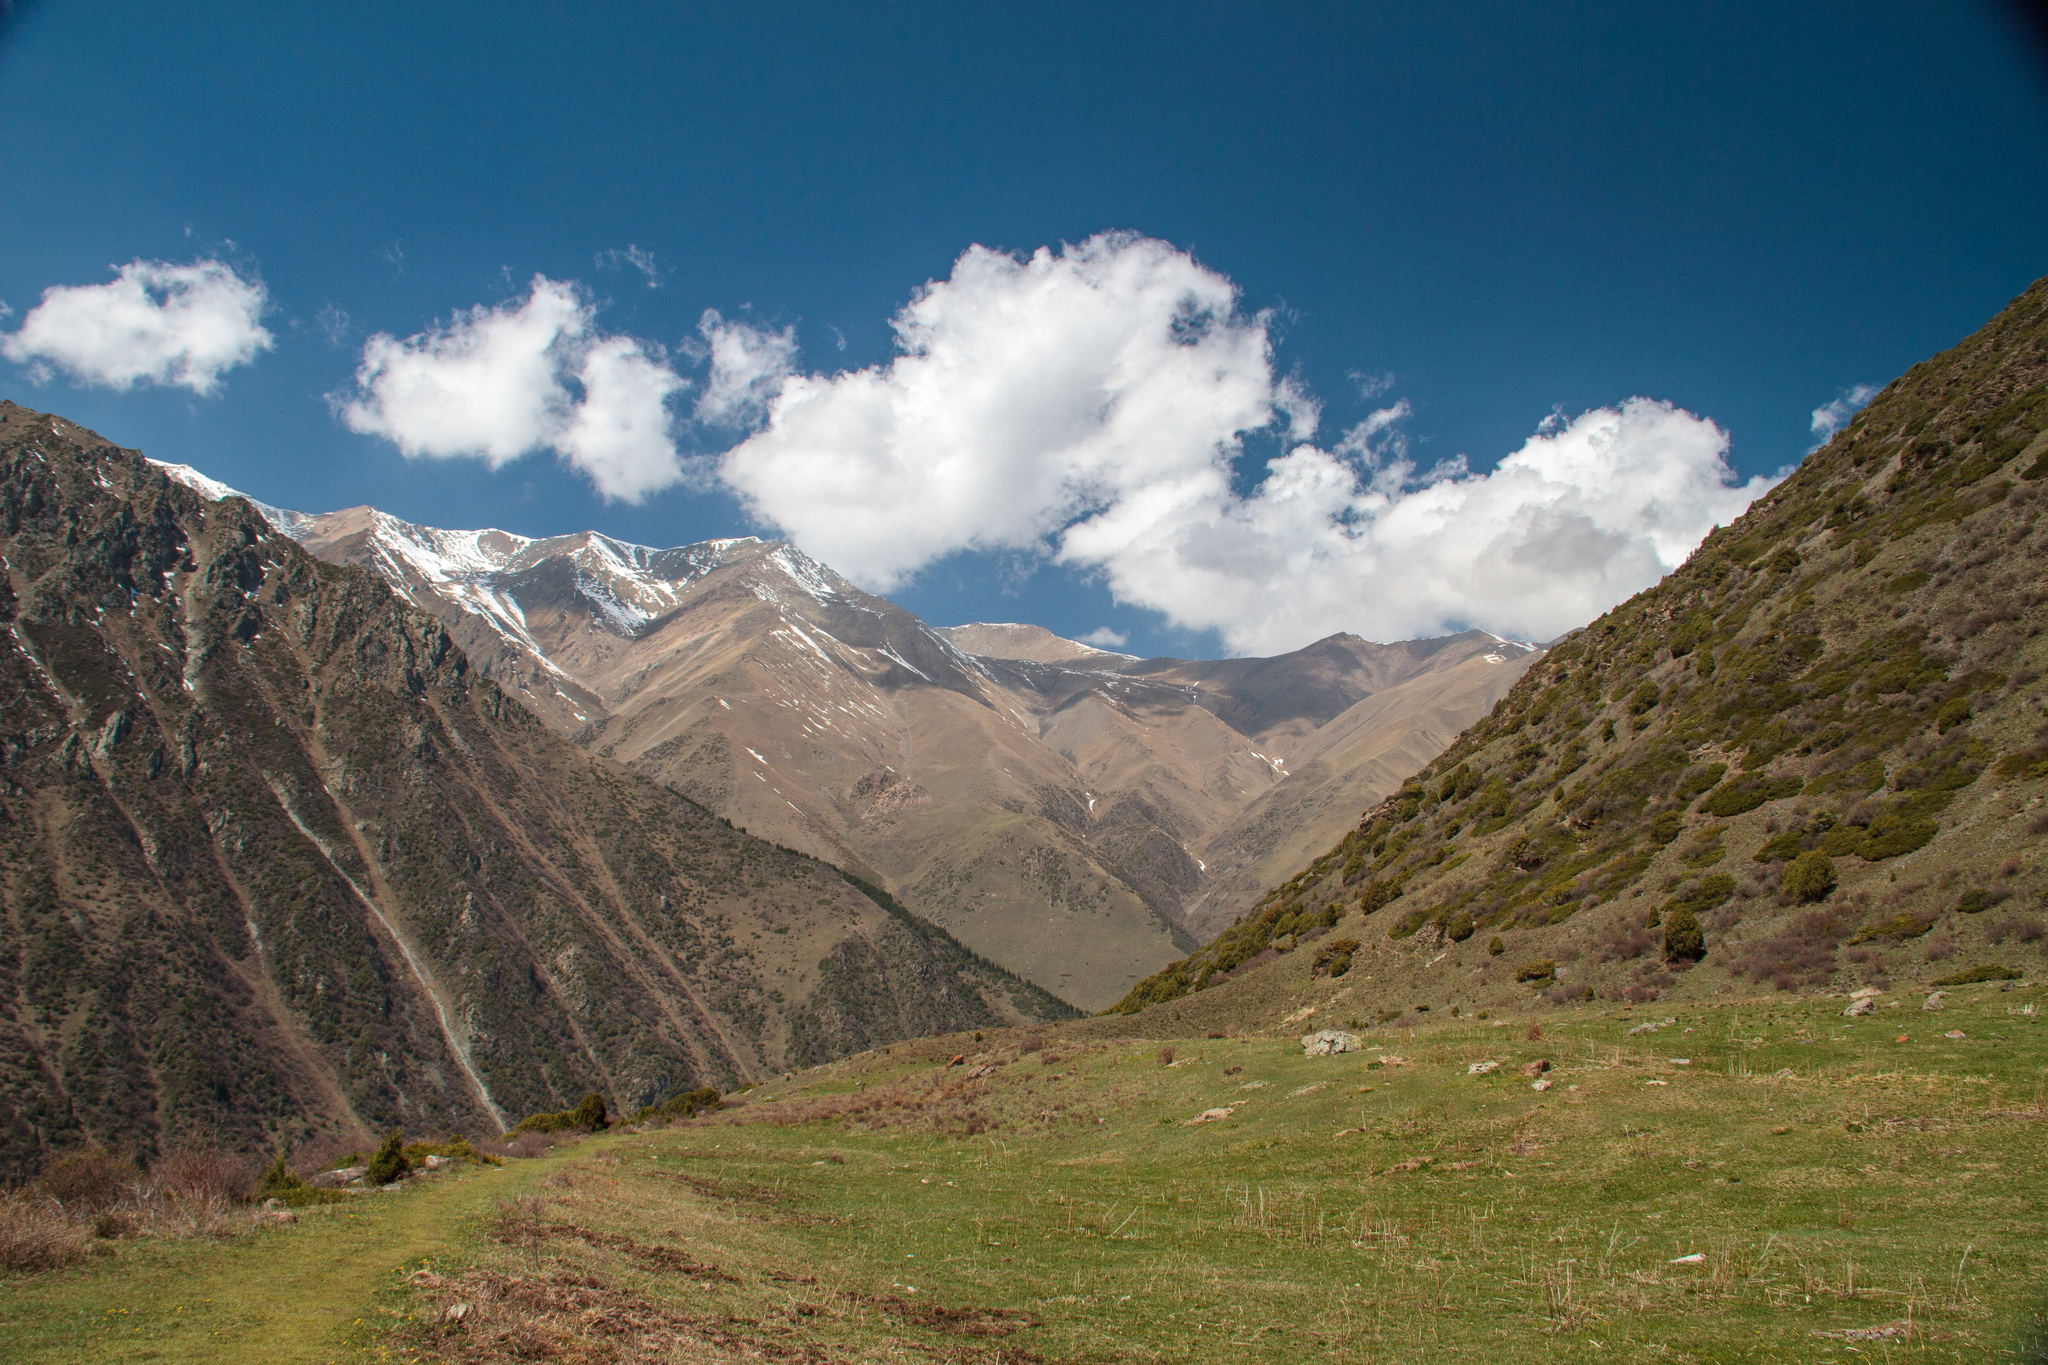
(293, 524)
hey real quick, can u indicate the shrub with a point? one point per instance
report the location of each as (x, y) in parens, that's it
(1747, 793)
(703, 1100)
(1540, 970)
(456, 1148)
(205, 1173)
(1897, 929)
(35, 1235)
(89, 1180)
(389, 1163)
(1495, 947)
(1810, 876)
(1987, 972)
(1684, 941)
(1460, 928)
(1955, 711)
(1334, 958)
(1976, 901)
(587, 1116)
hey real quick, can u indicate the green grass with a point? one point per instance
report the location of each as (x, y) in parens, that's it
(1829, 1176)
(312, 1292)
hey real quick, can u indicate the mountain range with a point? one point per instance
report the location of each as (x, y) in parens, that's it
(1079, 816)
(276, 861)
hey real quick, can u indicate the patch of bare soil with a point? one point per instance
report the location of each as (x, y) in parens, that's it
(513, 1230)
(963, 1322)
(481, 1317)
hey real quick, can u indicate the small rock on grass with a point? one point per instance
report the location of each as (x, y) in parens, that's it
(1860, 1008)
(1933, 1002)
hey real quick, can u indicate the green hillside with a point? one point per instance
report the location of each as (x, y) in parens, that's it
(1810, 756)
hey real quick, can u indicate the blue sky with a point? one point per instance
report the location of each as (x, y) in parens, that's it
(1492, 227)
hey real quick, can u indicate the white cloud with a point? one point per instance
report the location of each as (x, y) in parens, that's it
(1028, 392)
(619, 433)
(1086, 405)
(154, 323)
(1573, 522)
(1102, 637)
(1830, 418)
(748, 367)
(632, 258)
(495, 384)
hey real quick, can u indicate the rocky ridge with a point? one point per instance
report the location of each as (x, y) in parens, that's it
(276, 860)
(1078, 815)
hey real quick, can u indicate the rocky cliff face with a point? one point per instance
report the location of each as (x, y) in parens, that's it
(275, 859)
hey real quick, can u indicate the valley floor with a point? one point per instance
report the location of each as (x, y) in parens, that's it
(1762, 1180)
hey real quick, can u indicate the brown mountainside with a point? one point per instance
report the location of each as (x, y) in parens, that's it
(1811, 758)
(274, 859)
(1079, 816)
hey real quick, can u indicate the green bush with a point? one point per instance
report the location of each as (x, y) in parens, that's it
(590, 1113)
(687, 1105)
(1975, 901)
(1540, 970)
(1495, 947)
(587, 1116)
(389, 1163)
(1955, 711)
(1334, 958)
(1987, 972)
(1809, 877)
(280, 1181)
(1460, 928)
(455, 1149)
(1897, 929)
(1747, 793)
(1684, 941)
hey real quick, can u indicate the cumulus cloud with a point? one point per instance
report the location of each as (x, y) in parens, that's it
(1027, 393)
(1086, 405)
(1102, 637)
(748, 367)
(496, 384)
(1830, 418)
(155, 323)
(1576, 520)
(619, 433)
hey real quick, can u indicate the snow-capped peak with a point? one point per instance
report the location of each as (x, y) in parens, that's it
(293, 524)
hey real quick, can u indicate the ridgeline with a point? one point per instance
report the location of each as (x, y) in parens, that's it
(1812, 754)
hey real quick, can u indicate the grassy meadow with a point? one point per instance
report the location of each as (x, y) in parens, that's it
(1749, 1181)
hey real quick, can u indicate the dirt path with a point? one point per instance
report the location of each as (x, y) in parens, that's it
(294, 1294)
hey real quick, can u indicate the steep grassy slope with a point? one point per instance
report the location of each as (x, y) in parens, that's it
(273, 860)
(1814, 754)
